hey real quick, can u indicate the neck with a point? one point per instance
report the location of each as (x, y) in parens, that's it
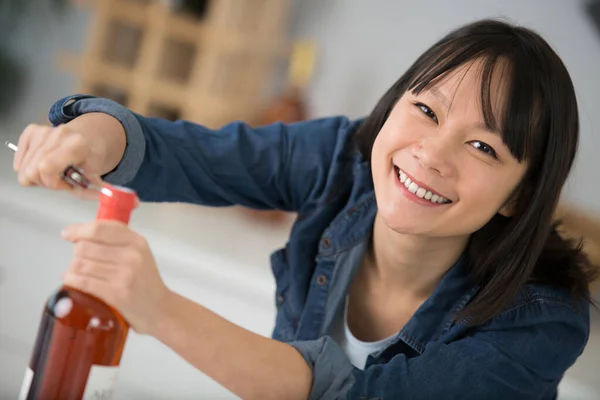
(410, 264)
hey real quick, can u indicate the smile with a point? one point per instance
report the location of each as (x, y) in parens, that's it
(421, 192)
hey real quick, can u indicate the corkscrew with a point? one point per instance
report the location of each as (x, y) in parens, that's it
(73, 176)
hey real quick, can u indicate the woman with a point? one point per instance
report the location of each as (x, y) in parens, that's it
(423, 263)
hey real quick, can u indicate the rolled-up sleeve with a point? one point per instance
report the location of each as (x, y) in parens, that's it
(332, 370)
(275, 166)
(70, 107)
(496, 362)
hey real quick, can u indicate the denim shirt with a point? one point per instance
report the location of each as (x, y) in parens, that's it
(306, 168)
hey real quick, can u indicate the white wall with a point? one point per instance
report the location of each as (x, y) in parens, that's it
(39, 38)
(366, 45)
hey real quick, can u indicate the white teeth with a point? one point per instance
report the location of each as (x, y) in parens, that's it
(403, 177)
(421, 192)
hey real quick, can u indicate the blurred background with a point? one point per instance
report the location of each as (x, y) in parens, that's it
(261, 61)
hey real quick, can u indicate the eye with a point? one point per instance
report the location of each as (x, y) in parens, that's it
(427, 111)
(484, 148)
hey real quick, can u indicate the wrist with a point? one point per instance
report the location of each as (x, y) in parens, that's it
(164, 316)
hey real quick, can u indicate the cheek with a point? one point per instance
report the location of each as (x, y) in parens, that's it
(390, 140)
(380, 150)
(482, 188)
(382, 156)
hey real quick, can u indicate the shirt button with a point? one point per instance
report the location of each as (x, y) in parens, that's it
(321, 280)
(280, 299)
(326, 243)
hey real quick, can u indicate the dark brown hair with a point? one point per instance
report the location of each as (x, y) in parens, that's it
(539, 124)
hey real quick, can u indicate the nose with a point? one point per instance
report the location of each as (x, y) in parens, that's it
(434, 153)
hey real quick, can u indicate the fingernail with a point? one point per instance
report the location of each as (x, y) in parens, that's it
(64, 233)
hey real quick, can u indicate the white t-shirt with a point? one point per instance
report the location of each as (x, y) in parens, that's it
(356, 350)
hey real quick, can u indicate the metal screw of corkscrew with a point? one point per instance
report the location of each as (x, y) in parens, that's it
(73, 176)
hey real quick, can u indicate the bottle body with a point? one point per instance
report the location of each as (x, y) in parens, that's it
(80, 338)
(77, 351)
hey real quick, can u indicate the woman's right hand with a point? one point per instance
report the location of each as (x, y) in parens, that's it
(45, 152)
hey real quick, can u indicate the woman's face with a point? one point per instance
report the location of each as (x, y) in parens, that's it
(437, 170)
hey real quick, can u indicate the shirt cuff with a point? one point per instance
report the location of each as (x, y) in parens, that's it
(70, 107)
(333, 374)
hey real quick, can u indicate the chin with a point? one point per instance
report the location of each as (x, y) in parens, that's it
(406, 220)
(399, 219)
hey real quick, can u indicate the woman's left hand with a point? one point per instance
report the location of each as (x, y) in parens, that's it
(115, 264)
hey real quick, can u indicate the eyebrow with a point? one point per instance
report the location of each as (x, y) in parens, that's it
(485, 127)
(434, 90)
(441, 96)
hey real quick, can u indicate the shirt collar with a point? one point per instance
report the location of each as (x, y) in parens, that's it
(350, 234)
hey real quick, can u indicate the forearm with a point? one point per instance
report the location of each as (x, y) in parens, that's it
(247, 364)
(105, 135)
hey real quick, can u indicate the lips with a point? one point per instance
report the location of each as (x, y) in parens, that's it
(420, 190)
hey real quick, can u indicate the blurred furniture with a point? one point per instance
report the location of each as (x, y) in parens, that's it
(290, 105)
(210, 66)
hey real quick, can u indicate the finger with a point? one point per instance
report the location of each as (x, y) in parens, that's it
(93, 269)
(30, 149)
(23, 145)
(67, 150)
(107, 232)
(91, 285)
(53, 157)
(98, 252)
(32, 162)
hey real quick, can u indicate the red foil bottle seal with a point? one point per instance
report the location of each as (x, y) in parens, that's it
(119, 206)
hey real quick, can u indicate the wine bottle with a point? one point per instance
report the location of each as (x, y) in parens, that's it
(80, 338)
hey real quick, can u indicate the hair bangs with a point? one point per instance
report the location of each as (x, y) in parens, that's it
(511, 99)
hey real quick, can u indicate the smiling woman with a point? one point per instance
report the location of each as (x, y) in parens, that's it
(450, 136)
(424, 262)
(482, 118)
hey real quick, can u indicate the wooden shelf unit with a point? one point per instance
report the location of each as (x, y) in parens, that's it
(157, 62)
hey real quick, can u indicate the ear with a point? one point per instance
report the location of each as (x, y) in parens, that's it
(507, 210)
(510, 207)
